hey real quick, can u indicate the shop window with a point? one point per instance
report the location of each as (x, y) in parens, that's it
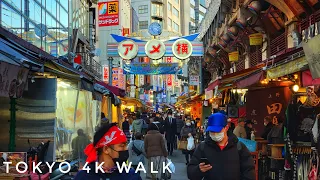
(143, 9)
(143, 25)
(175, 12)
(175, 27)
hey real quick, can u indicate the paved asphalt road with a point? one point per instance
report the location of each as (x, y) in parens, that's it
(179, 162)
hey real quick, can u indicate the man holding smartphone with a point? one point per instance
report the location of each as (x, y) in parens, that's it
(221, 155)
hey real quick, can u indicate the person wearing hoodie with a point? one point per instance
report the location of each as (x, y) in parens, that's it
(136, 151)
(222, 155)
(137, 124)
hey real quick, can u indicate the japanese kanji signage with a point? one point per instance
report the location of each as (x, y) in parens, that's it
(106, 74)
(182, 48)
(256, 39)
(234, 56)
(155, 49)
(169, 80)
(108, 13)
(128, 49)
(194, 80)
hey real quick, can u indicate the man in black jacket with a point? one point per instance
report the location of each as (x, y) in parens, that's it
(268, 126)
(228, 159)
(170, 126)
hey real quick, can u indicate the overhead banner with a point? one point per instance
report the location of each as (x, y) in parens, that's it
(13, 80)
(289, 68)
(312, 53)
(151, 69)
(108, 13)
(256, 39)
(234, 56)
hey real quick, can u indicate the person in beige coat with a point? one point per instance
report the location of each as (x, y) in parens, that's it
(240, 131)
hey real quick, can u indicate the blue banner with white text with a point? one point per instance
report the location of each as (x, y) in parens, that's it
(152, 69)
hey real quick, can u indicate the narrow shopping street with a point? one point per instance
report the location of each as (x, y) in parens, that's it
(180, 164)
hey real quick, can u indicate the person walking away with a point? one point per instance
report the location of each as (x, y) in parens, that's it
(104, 120)
(145, 124)
(188, 131)
(170, 132)
(159, 125)
(156, 152)
(221, 156)
(109, 147)
(78, 144)
(249, 128)
(180, 124)
(268, 126)
(240, 131)
(136, 151)
(137, 124)
(126, 128)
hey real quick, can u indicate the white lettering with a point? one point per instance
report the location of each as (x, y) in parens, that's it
(140, 167)
(7, 166)
(166, 167)
(127, 168)
(25, 167)
(86, 167)
(50, 167)
(62, 169)
(152, 171)
(99, 167)
(36, 167)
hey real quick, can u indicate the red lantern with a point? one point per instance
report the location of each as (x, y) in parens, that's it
(233, 31)
(226, 38)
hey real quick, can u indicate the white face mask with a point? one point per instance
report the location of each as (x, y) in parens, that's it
(218, 137)
(188, 124)
(192, 122)
(265, 124)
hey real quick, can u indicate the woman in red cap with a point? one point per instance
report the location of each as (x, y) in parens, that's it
(108, 149)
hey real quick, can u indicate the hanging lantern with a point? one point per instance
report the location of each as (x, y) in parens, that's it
(226, 38)
(255, 7)
(212, 51)
(241, 22)
(222, 44)
(233, 31)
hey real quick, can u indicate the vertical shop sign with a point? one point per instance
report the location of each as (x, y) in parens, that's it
(194, 80)
(125, 31)
(106, 74)
(169, 80)
(115, 77)
(108, 13)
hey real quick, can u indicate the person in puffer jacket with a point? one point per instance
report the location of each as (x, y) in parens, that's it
(137, 124)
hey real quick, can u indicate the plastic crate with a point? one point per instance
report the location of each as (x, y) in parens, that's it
(251, 145)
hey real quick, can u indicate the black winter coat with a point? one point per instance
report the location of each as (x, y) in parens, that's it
(266, 131)
(231, 163)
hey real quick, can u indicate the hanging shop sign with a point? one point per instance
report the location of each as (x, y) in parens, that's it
(13, 80)
(182, 49)
(151, 69)
(288, 68)
(312, 53)
(125, 31)
(194, 80)
(169, 80)
(256, 39)
(155, 49)
(106, 74)
(108, 13)
(234, 56)
(128, 49)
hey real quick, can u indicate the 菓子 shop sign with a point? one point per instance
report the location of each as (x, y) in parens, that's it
(108, 13)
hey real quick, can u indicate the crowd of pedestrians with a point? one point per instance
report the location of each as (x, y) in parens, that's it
(211, 151)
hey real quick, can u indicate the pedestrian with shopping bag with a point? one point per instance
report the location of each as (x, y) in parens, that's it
(188, 133)
(154, 145)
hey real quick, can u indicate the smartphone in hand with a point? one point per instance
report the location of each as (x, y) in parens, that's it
(205, 161)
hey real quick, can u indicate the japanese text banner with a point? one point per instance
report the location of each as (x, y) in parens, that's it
(152, 69)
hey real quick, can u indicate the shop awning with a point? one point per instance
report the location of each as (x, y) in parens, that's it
(212, 85)
(131, 101)
(115, 90)
(250, 80)
(61, 71)
(288, 68)
(307, 79)
(231, 78)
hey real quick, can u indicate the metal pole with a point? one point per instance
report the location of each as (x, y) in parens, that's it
(110, 59)
(13, 120)
(201, 76)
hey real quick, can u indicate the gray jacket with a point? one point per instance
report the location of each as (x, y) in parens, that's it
(133, 157)
(137, 125)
